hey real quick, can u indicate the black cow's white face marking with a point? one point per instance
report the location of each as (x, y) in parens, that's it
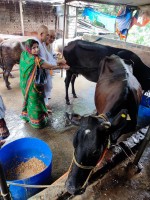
(87, 131)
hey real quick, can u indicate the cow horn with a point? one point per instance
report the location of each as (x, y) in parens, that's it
(106, 124)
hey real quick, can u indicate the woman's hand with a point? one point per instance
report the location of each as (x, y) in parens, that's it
(64, 66)
(59, 55)
(61, 61)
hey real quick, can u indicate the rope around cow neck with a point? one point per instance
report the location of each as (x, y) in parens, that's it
(94, 168)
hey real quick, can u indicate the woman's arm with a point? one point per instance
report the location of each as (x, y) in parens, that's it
(46, 65)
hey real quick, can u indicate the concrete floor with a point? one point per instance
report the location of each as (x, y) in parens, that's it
(57, 136)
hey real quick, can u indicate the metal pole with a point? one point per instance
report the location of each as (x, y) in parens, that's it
(76, 21)
(142, 147)
(4, 189)
(64, 31)
(21, 16)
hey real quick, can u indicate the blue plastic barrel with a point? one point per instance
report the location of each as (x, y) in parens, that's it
(144, 111)
(22, 150)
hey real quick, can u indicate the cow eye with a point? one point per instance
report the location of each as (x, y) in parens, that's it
(87, 131)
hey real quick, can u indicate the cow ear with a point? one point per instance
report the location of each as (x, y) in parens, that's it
(129, 62)
(73, 118)
(75, 139)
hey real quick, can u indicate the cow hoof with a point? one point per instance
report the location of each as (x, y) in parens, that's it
(9, 87)
(75, 96)
(68, 103)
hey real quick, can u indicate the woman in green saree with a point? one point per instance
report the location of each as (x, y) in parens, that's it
(34, 110)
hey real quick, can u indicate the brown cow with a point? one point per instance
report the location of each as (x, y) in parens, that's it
(117, 94)
(10, 51)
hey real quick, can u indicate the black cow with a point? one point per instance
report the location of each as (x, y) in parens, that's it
(84, 58)
(117, 94)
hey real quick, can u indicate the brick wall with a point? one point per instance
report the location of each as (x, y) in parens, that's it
(34, 15)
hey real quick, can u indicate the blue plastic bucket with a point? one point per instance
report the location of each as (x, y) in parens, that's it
(143, 116)
(22, 150)
(144, 110)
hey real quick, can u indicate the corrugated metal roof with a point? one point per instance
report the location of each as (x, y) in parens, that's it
(76, 3)
(118, 2)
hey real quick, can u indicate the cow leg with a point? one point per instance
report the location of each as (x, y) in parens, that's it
(5, 76)
(73, 78)
(67, 82)
(1, 67)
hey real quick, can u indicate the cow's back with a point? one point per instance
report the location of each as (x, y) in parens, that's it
(76, 54)
(87, 54)
(10, 51)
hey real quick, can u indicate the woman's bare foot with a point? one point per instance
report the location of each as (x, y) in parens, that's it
(49, 110)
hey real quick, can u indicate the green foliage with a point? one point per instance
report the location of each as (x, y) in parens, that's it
(147, 27)
(139, 35)
(103, 8)
(107, 9)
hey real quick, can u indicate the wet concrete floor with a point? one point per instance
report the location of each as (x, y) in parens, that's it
(56, 134)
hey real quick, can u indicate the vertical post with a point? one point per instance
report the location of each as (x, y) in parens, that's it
(67, 21)
(3, 185)
(56, 19)
(21, 16)
(64, 31)
(76, 21)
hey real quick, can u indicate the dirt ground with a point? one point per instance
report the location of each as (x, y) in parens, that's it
(115, 185)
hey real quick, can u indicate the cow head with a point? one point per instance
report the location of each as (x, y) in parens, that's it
(90, 142)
